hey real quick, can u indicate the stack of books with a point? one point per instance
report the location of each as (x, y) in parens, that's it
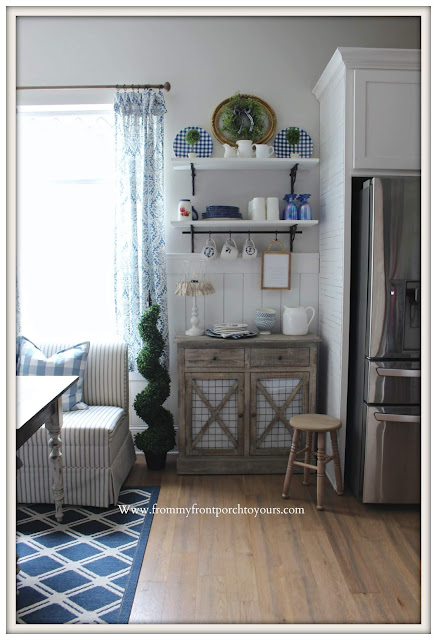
(230, 330)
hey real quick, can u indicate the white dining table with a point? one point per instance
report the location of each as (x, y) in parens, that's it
(39, 402)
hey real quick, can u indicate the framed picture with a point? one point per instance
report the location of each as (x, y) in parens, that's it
(276, 270)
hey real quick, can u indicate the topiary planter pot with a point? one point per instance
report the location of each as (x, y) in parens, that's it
(155, 461)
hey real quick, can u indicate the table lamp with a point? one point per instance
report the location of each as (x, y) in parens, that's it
(196, 286)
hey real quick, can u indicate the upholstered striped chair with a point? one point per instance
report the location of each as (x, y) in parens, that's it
(97, 446)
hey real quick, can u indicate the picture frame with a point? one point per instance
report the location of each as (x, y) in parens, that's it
(276, 269)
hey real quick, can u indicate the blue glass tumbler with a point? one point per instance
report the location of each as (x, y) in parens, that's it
(304, 211)
(290, 211)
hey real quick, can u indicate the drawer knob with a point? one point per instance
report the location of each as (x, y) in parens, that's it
(241, 415)
(254, 415)
(279, 357)
(214, 357)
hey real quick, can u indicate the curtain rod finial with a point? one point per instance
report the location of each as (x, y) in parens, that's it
(167, 86)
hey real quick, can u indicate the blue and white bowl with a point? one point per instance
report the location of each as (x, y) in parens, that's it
(265, 320)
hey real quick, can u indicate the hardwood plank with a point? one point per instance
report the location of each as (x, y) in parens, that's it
(400, 603)
(181, 589)
(335, 598)
(211, 602)
(249, 612)
(186, 527)
(340, 530)
(240, 582)
(148, 603)
(212, 550)
(297, 593)
(267, 598)
(160, 543)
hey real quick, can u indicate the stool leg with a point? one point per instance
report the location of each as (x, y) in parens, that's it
(320, 469)
(291, 459)
(309, 444)
(337, 468)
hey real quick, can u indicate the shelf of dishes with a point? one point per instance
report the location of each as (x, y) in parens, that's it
(213, 164)
(243, 225)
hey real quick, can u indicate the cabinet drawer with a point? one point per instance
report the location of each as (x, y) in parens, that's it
(294, 357)
(214, 358)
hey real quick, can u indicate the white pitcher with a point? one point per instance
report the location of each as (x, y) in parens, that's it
(295, 320)
(263, 150)
(230, 152)
(245, 148)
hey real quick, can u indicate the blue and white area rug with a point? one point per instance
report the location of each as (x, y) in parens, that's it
(84, 569)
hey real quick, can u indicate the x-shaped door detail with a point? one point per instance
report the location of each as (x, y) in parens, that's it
(214, 412)
(275, 397)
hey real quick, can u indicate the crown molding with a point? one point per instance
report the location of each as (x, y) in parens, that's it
(366, 58)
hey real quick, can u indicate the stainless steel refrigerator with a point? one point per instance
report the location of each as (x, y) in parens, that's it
(383, 418)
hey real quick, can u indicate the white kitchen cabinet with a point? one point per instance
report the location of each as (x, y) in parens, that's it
(386, 124)
(369, 126)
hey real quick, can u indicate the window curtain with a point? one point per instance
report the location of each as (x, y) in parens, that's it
(140, 269)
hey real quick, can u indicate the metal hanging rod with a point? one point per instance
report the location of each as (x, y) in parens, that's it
(291, 232)
(166, 86)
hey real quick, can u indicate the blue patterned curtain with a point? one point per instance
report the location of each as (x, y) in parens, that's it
(139, 220)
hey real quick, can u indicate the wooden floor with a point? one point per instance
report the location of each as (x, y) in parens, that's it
(351, 563)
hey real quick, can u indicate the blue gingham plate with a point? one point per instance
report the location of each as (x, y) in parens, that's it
(203, 148)
(283, 149)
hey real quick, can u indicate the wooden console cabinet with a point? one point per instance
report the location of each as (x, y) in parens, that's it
(236, 398)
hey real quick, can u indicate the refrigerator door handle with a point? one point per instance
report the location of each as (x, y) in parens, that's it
(398, 373)
(394, 417)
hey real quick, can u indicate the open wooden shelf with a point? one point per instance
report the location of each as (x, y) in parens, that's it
(233, 164)
(243, 225)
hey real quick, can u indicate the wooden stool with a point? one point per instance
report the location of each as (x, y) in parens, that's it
(320, 424)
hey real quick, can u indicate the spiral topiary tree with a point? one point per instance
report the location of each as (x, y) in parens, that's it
(160, 435)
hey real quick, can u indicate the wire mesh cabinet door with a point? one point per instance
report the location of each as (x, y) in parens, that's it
(214, 413)
(275, 398)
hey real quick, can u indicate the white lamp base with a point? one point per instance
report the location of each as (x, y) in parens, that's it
(194, 329)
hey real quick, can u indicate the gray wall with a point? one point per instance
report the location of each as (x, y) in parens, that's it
(206, 59)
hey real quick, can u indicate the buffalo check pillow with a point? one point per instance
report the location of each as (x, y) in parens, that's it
(68, 362)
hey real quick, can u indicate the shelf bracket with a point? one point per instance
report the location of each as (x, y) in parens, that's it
(293, 231)
(193, 175)
(192, 232)
(293, 174)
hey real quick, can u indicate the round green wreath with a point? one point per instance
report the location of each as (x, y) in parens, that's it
(242, 118)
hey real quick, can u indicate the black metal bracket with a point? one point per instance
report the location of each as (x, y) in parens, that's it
(193, 175)
(291, 232)
(293, 174)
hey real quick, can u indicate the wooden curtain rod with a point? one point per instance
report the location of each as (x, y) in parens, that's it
(166, 86)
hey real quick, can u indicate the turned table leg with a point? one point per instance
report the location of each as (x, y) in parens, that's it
(54, 426)
(337, 467)
(309, 446)
(289, 473)
(320, 469)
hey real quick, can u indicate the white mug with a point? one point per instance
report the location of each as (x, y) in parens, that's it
(259, 209)
(209, 251)
(272, 205)
(263, 150)
(249, 250)
(229, 250)
(250, 210)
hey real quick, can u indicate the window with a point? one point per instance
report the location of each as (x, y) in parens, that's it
(65, 222)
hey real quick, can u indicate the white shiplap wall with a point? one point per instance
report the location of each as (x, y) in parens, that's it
(238, 294)
(331, 249)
